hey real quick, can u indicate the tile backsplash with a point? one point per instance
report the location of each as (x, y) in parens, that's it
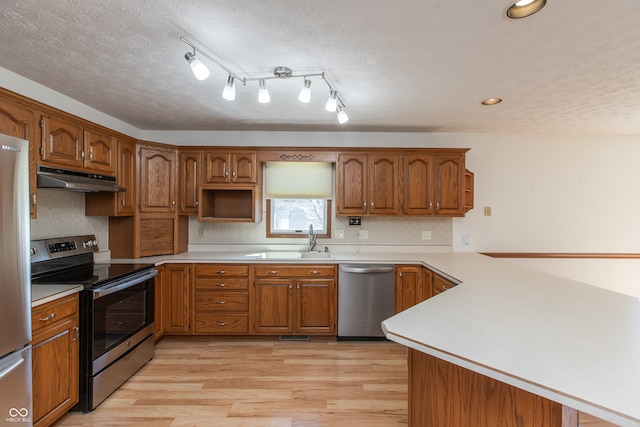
(61, 213)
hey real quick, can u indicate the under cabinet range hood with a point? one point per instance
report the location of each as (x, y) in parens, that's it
(76, 181)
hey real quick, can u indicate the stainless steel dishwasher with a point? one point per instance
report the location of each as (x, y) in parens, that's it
(365, 298)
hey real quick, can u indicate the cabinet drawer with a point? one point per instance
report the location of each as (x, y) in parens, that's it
(219, 270)
(222, 301)
(217, 324)
(53, 312)
(440, 284)
(295, 271)
(222, 283)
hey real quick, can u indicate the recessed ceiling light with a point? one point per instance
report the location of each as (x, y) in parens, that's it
(524, 8)
(492, 101)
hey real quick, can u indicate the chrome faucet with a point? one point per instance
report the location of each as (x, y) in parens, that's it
(312, 238)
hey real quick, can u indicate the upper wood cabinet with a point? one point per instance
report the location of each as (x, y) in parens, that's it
(19, 121)
(367, 184)
(117, 204)
(157, 179)
(434, 184)
(226, 167)
(65, 143)
(189, 177)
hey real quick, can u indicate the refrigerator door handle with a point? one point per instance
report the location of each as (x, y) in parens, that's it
(11, 365)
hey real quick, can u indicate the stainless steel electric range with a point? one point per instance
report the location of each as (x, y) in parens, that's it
(116, 311)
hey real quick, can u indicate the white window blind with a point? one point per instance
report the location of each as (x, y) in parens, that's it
(298, 180)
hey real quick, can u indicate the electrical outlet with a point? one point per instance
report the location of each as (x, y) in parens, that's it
(355, 220)
(339, 234)
(426, 235)
(487, 211)
(363, 234)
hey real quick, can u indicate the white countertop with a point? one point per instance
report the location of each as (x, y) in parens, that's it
(42, 294)
(570, 342)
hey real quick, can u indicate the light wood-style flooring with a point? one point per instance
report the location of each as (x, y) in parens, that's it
(265, 383)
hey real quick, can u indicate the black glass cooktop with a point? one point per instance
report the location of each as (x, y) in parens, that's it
(91, 275)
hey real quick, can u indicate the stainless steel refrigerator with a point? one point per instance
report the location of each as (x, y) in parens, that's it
(15, 284)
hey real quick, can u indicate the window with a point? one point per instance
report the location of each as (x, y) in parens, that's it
(298, 194)
(291, 217)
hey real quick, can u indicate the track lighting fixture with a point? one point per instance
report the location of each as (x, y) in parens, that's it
(305, 92)
(199, 69)
(229, 92)
(334, 104)
(263, 93)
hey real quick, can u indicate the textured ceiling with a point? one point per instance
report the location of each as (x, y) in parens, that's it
(399, 65)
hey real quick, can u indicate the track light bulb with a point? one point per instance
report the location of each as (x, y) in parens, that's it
(229, 92)
(199, 69)
(263, 92)
(332, 102)
(305, 92)
(342, 115)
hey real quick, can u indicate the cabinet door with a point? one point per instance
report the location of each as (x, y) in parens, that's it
(351, 184)
(449, 177)
(176, 299)
(408, 287)
(157, 180)
(100, 152)
(418, 185)
(273, 306)
(62, 142)
(244, 168)
(190, 163)
(19, 121)
(315, 306)
(384, 179)
(426, 290)
(218, 167)
(127, 178)
(158, 313)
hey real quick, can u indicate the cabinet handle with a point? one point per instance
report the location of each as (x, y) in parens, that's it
(298, 286)
(221, 271)
(122, 203)
(91, 156)
(364, 205)
(219, 323)
(430, 205)
(76, 335)
(273, 271)
(444, 288)
(34, 199)
(173, 203)
(221, 302)
(233, 174)
(290, 289)
(437, 205)
(371, 205)
(196, 203)
(49, 317)
(314, 272)
(221, 285)
(82, 155)
(226, 174)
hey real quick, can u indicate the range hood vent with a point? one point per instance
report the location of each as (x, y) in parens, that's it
(76, 181)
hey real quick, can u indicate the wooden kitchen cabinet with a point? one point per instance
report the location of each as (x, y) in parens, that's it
(189, 178)
(229, 203)
(224, 167)
(440, 284)
(55, 359)
(409, 286)
(176, 299)
(295, 300)
(158, 308)
(65, 143)
(367, 184)
(221, 299)
(157, 169)
(117, 204)
(434, 185)
(19, 121)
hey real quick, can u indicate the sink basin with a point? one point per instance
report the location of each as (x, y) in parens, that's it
(315, 255)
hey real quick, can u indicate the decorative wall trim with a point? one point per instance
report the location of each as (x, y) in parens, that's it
(560, 255)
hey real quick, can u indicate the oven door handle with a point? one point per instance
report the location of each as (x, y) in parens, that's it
(102, 292)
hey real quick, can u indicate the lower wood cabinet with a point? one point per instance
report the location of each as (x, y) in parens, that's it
(415, 284)
(295, 300)
(176, 299)
(221, 299)
(55, 359)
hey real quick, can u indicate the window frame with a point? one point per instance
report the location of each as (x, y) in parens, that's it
(303, 235)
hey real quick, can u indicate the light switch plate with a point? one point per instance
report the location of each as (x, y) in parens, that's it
(363, 234)
(426, 235)
(339, 234)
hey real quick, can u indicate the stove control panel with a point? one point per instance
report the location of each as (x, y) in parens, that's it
(42, 250)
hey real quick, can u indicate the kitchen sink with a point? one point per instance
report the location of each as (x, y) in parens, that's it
(315, 255)
(284, 255)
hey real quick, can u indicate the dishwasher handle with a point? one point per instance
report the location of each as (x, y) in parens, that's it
(367, 270)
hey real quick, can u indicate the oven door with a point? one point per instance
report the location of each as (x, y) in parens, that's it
(121, 317)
